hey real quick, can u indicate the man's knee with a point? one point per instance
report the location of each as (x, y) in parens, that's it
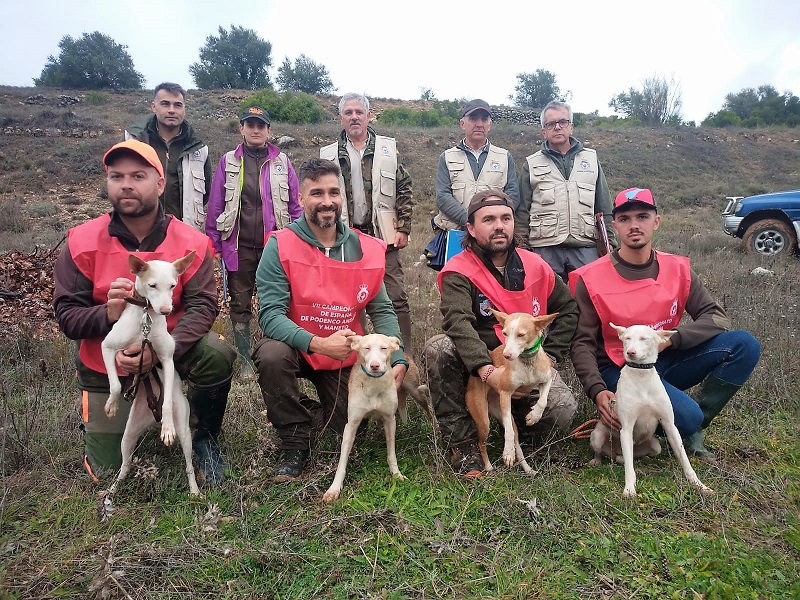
(269, 353)
(209, 361)
(103, 435)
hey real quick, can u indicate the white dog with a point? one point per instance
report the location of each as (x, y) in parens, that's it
(641, 404)
(371, 394)
(155, 281)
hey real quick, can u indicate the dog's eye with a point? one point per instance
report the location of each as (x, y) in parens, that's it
(384, 347)
(520, 335)
(152, 286)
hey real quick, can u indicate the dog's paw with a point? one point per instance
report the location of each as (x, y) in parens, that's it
(533, 417)
(400, 477)
(629, 493)
(595, 462)
(111, 408)
(509, 459)
(705, 490)
(167, 434)
(332, 495)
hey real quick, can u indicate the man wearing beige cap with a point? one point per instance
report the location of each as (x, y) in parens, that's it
(472, 165)
(92, 285)
(493, 273)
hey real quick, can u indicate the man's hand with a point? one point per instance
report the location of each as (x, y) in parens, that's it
(335, 346)
(128, 359)
(664, 345)
(399, 372)
(605, 406)
(400, 239)
(120, 289)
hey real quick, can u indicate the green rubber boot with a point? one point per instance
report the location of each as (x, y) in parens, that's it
(241, 336)
(714, 395)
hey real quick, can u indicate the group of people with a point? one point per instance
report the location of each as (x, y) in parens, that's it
(320, 246)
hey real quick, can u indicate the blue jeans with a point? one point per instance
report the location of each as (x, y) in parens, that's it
(730, 356)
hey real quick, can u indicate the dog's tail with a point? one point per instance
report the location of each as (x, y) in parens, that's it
(420, 396)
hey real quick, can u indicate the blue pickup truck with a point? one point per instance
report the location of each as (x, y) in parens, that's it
(767, 224)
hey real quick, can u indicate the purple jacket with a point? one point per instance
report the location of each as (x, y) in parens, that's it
(216, 204)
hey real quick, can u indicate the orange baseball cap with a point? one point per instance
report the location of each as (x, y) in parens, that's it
(145, 151)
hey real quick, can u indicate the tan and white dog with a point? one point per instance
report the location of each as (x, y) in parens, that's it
(641, 404)
(371, 394)
(522, 364)
(154, 283)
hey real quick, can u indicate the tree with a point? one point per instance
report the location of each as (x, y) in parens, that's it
(657, 103)
(92, 62)
(535, 90)
(306, 76)
(754, 107)
(237, 59)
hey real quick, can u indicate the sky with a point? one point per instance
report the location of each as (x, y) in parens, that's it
(458, 50)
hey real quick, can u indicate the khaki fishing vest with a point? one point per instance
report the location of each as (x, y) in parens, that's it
(562, 207)
(494, 174)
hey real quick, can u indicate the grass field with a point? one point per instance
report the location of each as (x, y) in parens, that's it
(432, 536)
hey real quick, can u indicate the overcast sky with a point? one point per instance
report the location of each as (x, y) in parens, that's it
(466, 49)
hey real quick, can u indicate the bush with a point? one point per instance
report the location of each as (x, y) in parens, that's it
(42, 209)
(96, 98)
(12, 218)
(289, 107)
(405, 117)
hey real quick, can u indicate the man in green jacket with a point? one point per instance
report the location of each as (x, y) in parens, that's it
(315, 277)
(184, 156)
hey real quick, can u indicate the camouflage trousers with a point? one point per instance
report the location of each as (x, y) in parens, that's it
(447, 380)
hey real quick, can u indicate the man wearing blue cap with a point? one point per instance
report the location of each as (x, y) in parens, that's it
(635, 285)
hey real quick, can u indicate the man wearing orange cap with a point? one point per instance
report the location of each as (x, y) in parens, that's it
(93, 283)
(635, 285)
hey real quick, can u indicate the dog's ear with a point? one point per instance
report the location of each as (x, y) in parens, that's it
(617, 328)
(184, 263)
(499, 315)
(545, 320)
(355, 341)
(665, 334)
(137, 265)
(394, 344)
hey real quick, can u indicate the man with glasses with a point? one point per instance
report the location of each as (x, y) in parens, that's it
(562, 189)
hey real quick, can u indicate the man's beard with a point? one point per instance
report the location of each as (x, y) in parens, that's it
(496, 246)
(143, 209)
(327, 221)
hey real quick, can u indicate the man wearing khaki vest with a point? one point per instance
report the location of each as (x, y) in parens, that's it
(562, 189)
(377, 193)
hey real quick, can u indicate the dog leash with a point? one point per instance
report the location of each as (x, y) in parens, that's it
(154, 403)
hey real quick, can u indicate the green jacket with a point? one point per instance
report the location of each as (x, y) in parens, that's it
(274, 291)
(184, 144)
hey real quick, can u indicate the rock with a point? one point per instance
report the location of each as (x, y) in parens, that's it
(285, 140)
(762, 272)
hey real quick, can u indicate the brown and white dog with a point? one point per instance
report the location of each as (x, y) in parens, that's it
(154, 283)
(641, 404)
(371, 394)
(522, 364)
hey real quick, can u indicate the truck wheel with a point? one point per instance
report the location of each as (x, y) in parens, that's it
(770, 237)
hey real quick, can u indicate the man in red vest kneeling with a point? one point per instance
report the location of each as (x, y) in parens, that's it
(315, 276)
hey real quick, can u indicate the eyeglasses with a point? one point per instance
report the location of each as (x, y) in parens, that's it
(552, 124)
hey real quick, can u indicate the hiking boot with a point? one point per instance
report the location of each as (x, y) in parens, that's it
(290, 465)
(694, 446)
(466, 461)
(209, 460)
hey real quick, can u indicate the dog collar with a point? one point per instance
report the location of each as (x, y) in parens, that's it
(536, 345)
(137, 300)
(640, 365)
(368, 374)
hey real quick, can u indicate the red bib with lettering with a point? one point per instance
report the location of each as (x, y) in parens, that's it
(539, 284)
(658, 303)
(328, 294)
(102, 259)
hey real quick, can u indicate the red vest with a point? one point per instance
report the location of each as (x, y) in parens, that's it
(658, 303)
(539, 284)
(328, 294)
(102, 259)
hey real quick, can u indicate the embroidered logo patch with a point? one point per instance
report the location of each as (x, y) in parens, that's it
(385, 150)
(536, 308)
(494, 167)
(673, 310)
(585, 166)
(484, 307)
(362, 294)
(279, 169)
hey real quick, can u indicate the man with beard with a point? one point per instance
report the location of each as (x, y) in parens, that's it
(493, 272)
(315, 276)
(635, 285)
(93, 284)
